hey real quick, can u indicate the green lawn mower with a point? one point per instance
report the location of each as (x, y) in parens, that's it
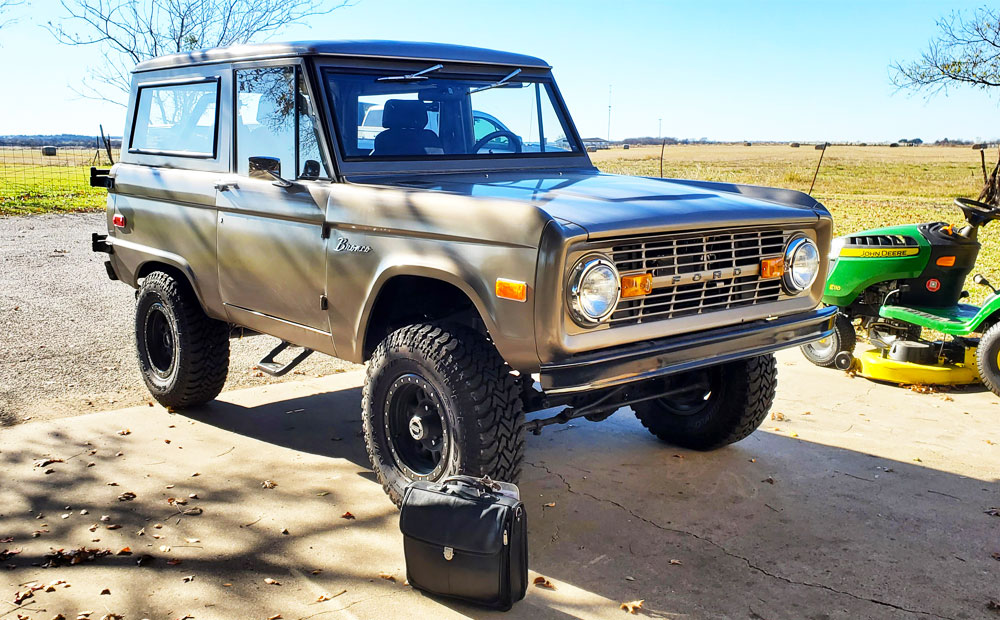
(902, 280)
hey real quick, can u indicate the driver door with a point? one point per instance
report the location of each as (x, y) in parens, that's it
(272, 267)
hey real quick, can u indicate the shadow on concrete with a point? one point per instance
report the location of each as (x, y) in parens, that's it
(772, 527)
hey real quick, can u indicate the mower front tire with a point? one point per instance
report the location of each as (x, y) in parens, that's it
(824, 352)
(988, 359)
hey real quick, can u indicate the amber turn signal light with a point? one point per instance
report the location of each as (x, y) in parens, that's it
(634, 286)
(512, 289)
(946, 261)
(771, 268)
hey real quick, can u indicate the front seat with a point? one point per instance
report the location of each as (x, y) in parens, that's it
(404, 121)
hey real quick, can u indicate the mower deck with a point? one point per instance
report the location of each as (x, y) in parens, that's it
(872, 365)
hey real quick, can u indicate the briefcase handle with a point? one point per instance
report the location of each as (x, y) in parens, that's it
(481, 484)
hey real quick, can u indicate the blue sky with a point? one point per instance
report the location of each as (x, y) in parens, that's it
(723, 70)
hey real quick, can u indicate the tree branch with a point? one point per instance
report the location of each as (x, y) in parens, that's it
(131, 31)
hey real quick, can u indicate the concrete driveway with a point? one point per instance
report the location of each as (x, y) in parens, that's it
(857, 500)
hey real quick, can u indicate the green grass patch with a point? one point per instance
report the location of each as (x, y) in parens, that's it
(31, 183)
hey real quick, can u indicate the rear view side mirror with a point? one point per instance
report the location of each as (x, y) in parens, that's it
(269, 169)
(265, 168)
(310, 169)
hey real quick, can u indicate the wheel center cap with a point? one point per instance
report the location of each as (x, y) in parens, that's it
(416, 427)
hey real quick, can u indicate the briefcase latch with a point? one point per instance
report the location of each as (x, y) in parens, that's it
(449, 553)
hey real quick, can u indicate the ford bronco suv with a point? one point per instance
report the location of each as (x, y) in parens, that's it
(468, 251)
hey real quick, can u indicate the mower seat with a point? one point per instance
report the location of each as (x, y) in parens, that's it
(957, 320)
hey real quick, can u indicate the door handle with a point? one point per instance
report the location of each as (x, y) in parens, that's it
(225, 186)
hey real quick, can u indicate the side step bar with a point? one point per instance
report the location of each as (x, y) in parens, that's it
(275, 369)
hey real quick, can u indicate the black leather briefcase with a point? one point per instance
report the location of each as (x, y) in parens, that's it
(466, 538)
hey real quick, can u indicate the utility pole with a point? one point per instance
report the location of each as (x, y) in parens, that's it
(609, 112)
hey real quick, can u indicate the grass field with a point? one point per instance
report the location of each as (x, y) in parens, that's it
(33, 183)
(864, 187)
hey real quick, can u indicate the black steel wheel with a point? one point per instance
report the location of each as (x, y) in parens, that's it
(439, 401)
(723, 405)
(415, 427)
(159, 341)
(183, 354)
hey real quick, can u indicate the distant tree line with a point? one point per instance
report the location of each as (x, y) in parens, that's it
(62, 139)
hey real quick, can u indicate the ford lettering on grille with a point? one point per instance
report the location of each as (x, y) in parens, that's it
(697, 272)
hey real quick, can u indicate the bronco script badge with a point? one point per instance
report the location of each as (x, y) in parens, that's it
(343, 245)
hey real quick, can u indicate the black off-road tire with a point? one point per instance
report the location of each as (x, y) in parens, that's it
(194, 370)
(988, 359)
(844, 338)
(741, 396)
(477, 397)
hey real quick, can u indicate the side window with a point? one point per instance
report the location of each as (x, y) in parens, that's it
(265, 119)
(177, 119)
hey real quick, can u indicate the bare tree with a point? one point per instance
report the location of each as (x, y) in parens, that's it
(130, 31)
(5, 7)
(965, 52)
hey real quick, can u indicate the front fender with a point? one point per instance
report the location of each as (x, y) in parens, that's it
(509, 323)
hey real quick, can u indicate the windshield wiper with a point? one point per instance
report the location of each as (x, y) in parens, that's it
(495, 84)
(410, 77)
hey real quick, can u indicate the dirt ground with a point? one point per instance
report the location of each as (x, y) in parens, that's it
(66, 330)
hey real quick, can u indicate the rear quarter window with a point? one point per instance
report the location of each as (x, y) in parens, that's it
(177, 119)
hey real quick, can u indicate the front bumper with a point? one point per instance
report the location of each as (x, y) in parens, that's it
(666, 356)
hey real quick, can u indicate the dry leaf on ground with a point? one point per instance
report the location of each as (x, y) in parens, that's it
(676, 562)
(271, 582)
(268, 484)
(125, 431)
(632, 607)
(127, 496)
(542, 582)
(347, 515)
(387, 576)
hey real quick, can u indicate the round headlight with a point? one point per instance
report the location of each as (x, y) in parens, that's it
(593, 290)
(802, 264)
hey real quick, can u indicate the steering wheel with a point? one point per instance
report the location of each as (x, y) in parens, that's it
(977, 213)
(500, 133)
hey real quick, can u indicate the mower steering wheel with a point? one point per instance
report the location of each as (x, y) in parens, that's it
(482, 142)
(976, 212)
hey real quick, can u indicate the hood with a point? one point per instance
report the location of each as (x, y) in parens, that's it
(613, 205)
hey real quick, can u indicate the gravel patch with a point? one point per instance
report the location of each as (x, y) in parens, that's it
(66, 330)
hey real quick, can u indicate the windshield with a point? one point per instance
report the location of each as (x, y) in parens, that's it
(437, 116)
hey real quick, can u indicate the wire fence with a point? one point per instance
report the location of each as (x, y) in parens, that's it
(33, 177)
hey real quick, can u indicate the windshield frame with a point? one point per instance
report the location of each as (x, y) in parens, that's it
(349, 165)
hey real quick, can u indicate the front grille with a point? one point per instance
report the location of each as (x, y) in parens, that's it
(697, 273)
